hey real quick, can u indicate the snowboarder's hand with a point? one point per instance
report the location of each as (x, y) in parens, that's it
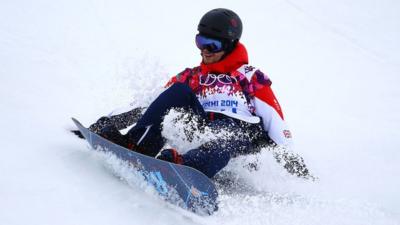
(78, 133)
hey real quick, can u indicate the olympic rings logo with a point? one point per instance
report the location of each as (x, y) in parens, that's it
(211, 79)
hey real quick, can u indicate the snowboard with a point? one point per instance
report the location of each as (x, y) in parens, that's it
(178, 184)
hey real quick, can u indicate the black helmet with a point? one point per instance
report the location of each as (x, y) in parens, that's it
(221, 23)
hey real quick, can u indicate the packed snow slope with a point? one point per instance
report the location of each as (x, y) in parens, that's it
(335, 69)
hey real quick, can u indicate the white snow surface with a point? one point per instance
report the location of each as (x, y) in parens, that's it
(335, 70)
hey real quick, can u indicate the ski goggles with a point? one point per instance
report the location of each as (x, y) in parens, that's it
(212, 45)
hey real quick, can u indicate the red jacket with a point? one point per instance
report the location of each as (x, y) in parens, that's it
(234, 88)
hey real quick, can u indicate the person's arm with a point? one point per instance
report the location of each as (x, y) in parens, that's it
(120, 121)
(184, 77)
(268, 108)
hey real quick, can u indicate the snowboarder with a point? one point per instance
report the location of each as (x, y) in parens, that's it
(224, 92)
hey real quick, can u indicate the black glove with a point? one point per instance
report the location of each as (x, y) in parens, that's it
(78, 133)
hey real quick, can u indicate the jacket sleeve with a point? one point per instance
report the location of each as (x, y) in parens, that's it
(182, 77)
(267, 107)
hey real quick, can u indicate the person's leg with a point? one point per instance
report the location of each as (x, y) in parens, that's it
(211, 157)
(179, 95)
(145, 136)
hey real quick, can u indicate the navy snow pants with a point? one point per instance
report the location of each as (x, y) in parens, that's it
(210, 157)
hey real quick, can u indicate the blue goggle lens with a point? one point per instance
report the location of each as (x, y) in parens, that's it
(212, 45)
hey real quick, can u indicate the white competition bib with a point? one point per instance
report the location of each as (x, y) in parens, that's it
(223, 94)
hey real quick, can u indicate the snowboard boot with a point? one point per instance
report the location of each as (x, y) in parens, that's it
(112, 134)
(145, 140)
